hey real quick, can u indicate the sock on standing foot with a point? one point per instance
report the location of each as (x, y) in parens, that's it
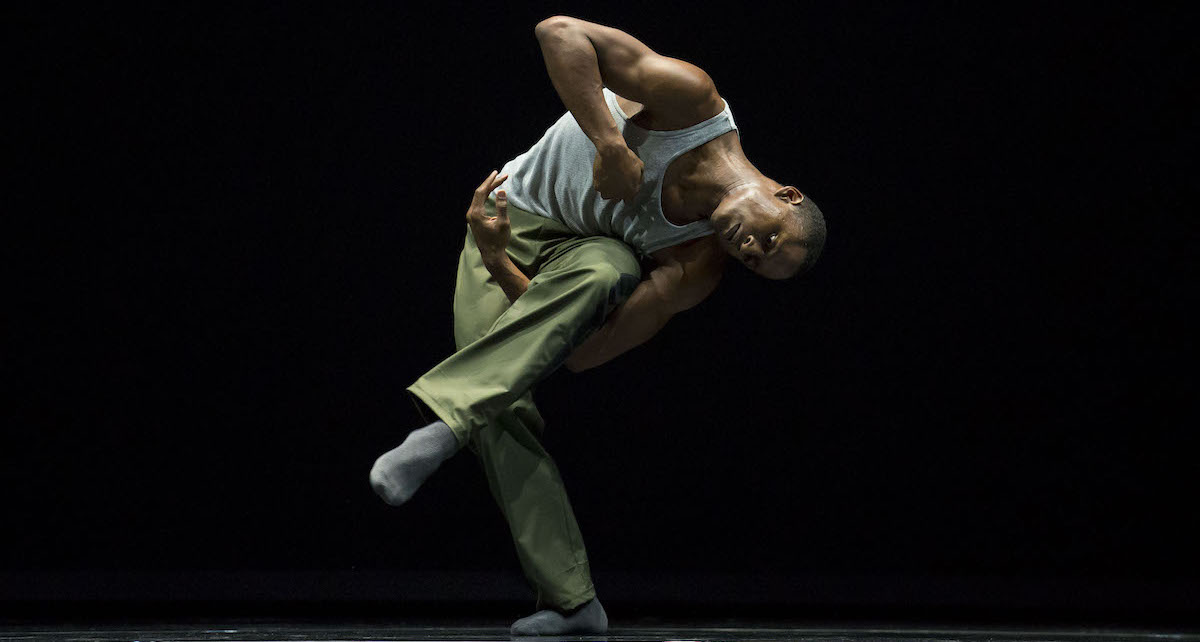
(590, 618)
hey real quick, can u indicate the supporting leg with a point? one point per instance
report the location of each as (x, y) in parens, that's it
(527, 487)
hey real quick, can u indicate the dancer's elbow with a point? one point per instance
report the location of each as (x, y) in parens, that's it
(551, 24)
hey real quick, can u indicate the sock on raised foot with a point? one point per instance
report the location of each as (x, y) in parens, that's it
(588, 619)
(399, 472)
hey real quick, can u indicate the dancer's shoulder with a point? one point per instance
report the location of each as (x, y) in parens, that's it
(696, 267)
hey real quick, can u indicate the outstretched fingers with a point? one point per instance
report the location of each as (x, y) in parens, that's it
(490, 183)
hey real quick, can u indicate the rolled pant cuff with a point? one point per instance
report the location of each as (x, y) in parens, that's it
(577, 601)
(573, 589)
(442, 413)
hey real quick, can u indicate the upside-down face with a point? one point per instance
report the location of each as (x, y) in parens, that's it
(758, 226)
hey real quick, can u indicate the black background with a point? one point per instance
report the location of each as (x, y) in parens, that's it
(236, 232)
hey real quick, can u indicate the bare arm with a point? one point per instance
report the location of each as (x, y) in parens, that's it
(575, 73)
(630, 325)
(670, 288)
(491, 234)
(511, 279)
(583, 57)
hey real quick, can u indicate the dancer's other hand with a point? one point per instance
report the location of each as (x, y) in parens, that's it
(617, 172)
(491, 232)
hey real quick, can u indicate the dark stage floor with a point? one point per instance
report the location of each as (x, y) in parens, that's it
(726, 631)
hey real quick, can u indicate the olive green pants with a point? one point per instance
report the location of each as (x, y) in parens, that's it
(484, 391)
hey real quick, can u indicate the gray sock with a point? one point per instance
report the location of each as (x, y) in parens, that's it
(399, 472)
(588, 619)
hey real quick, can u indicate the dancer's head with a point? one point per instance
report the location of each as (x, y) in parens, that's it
(772, 229)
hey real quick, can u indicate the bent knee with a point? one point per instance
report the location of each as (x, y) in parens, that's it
(622, 258)
(611, 284)
(602, 275)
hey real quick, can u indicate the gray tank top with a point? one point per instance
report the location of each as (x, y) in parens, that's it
(554, 179)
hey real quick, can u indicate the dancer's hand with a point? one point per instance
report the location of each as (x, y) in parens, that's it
(617, 173)
(491, 232)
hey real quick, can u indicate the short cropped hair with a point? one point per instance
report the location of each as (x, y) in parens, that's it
(813, 224)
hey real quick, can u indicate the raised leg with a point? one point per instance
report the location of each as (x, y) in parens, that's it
(570, 296)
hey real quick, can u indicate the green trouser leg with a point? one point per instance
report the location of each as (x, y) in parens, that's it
(484, 392)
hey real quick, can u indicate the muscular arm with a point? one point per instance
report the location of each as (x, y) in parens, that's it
(511, 279)
(583, 57)
(672, 287)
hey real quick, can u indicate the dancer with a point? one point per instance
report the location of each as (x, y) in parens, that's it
(646, 165)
